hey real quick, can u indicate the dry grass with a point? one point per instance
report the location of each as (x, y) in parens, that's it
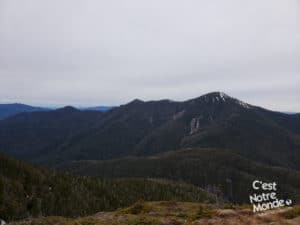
(140, 207)
(293, 213)
(179, 213)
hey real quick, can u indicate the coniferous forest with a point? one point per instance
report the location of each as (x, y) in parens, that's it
(132, 112)
(205, 150)
(31, 191)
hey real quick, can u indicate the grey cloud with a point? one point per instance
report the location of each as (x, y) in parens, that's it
(109, 52)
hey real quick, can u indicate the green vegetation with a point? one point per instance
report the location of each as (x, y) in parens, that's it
(148, 128)
(293, 213)
(219, 171)
(91, 221)
(26, 190)
(202, 211)
(139, 207)
(218, 145)
(173, 213)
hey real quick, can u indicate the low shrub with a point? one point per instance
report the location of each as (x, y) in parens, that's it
(139, 207)
(293, 213)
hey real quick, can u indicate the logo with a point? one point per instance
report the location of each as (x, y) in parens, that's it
(265, 197)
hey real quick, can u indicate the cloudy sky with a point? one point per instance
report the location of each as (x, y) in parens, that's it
(96, 52)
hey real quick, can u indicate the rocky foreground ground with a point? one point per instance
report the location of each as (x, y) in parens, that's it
(177, 213)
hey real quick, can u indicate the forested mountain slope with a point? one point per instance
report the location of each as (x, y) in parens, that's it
(147, 128)
(7, 110)
(217, 170)
(27, 190)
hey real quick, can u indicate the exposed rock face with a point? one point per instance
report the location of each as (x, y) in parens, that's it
(178, 115)
(195, 124)
(151, 127)
(151, 120)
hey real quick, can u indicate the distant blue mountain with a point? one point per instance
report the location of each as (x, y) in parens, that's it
(98, 108)
(290, 113)
(7, 110)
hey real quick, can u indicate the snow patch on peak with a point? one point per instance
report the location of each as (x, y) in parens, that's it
(243, 104)
(223, 96)
(217, 97)
(220, 97)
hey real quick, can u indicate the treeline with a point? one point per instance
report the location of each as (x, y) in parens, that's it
(216, 170)
(29, 191)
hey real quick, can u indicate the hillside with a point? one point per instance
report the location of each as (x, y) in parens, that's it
(7, 110)
(179, 213)
(220, 171)
(27, 190)
(98, 108)
(31, 135)
(146, 128)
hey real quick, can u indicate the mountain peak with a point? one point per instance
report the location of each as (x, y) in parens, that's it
(135, 101)
(214, 97)
(217, 96)
(67, 109)
(220, 97)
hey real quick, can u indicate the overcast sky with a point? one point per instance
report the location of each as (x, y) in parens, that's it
(71, 52)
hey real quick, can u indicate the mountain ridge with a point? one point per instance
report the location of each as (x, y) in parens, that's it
(12, 109)
(7, 110)
(204, 167)
(28, 190)
(144, 128)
